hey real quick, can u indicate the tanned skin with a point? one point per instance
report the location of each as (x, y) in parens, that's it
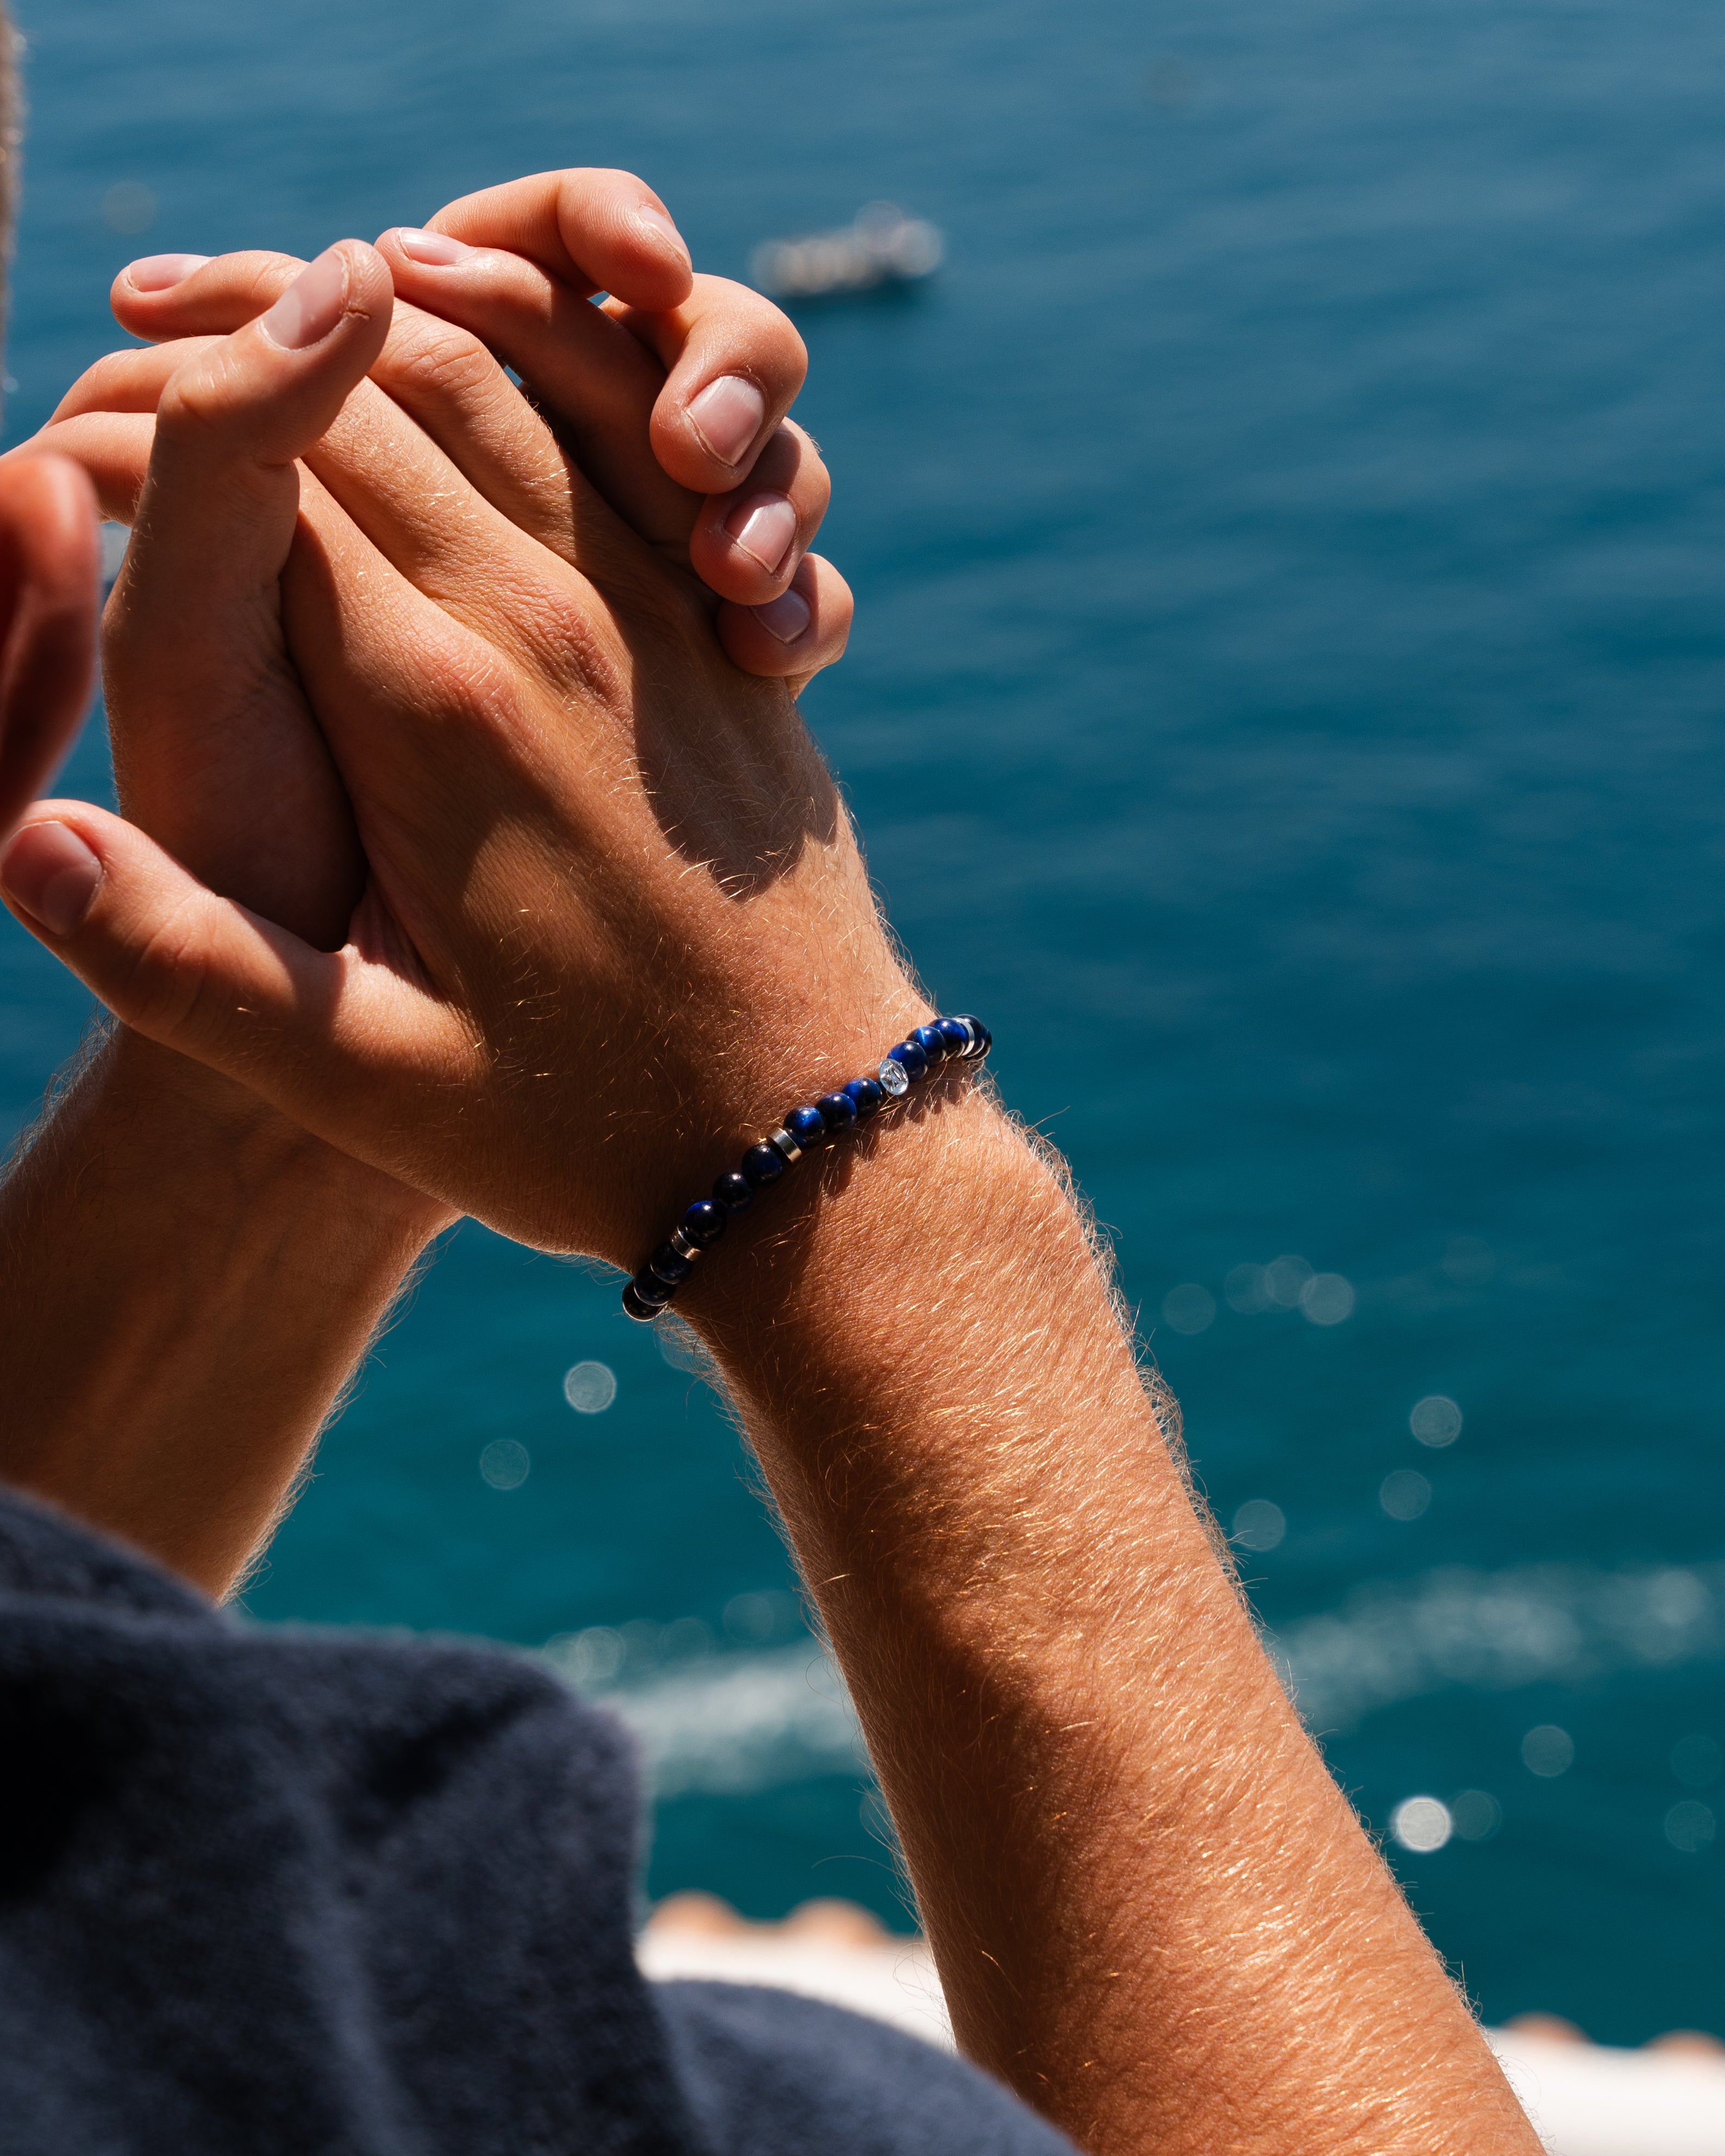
(613, 919)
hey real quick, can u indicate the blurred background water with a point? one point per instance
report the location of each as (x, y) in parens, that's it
(1286, 697)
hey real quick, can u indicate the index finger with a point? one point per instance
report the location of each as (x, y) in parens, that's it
(593, 229)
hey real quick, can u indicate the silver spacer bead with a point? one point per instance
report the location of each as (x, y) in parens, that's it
(681, 1244)
(786, 1144)
(894, 1077)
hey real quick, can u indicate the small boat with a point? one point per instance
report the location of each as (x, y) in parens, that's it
(882, 247)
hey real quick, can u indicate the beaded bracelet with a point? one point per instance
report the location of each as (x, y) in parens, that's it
(957, 1040)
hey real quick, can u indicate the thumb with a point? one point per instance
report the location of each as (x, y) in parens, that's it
(195, 972)
(215, 518)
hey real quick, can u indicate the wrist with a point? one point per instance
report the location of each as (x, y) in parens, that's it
(926, 1332)
(939, 1218)
(212, 1139)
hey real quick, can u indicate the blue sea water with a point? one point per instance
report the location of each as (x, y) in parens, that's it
(1286, 698)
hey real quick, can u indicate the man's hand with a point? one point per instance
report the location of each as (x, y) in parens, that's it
(616, 920)
(638, 821)
(48, 595)
(230, 1265)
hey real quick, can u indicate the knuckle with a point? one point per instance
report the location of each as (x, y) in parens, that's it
(756, 328)
(201, 402)
(166, 981)
(440, 361)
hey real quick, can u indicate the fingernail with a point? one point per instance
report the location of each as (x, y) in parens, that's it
(435, 248)
(157, 272)
(311, 306)
(727, 416)
(49, 871)
(764, 526)
(785, 617)
(650, 215)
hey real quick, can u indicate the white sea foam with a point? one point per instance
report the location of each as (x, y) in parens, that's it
(743, 1722)
(1496, 1631)
(731, 1722)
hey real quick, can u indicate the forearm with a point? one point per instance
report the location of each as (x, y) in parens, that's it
(187, 1282)
(1153, 1912)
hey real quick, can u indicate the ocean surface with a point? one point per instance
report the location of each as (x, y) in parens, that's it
(1289, 540)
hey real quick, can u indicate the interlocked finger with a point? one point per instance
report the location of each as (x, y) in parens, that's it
(746, 545)
(439, 374)
(440, 534)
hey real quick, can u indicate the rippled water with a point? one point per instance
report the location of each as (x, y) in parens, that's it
(1286, 700)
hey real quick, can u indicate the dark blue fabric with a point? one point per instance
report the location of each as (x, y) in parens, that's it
(768, 2075)
(270, 1894)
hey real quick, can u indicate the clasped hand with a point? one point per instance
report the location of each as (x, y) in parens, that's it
(470, 821)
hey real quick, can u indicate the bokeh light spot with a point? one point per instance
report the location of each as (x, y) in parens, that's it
(1547, 1750)
(1435, 1421)
(1285, 1282)
(1327, 1299)
(504, 1463)
(593, 1656)
(1405, 1494)
(1476, 1815)
(590, 1388)
(1696, 1760)
(759, 1617)
(1690, 1826)
(680, 1346)
(1421, 1824)
(1188, 1308)
(1259, 1524)
(1244, 1290)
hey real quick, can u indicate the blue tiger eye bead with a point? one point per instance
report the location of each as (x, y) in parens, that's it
(911, 1059)
(639, 1305)
(931, 1041)
(955, 1033)
(763, 1164)
(670, 1265)
(868, 1096)
(981, 1040)
(807, 1126)
(703, 1224)
(838, 1111)
(734, 1192)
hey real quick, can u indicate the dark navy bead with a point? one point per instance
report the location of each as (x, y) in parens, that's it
(807, 1126)
(955, 1034)
(910, 1058)
(868, 1096)
(982, 1040)
(670, 1266)
(636, 1306)
(703, 1224)
(763, 1164)
(648, 1289)
(931, 1041)
(734, 1192)
(838, 1111)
